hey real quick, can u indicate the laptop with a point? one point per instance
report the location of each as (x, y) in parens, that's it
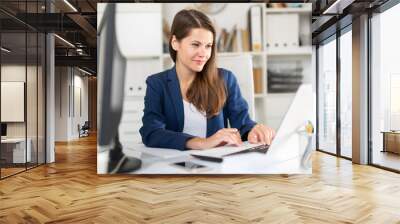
(299, 114)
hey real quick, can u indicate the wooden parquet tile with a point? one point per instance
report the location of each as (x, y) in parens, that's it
(70, 191)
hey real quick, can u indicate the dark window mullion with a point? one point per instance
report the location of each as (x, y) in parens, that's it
(44, 76)
(0, 98)
(37, 90)
(369, 78)
(26, 87)
(317, 95)
(338, 98)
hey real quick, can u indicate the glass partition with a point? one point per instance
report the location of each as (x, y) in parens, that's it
(13, 109)
(385, 89)
(31, 100)
(41, 112)
(327, 96)
(346, 94)
(32, 87)
(22, 67)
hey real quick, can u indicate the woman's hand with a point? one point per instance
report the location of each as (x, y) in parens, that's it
(225, 136)
(261, 134)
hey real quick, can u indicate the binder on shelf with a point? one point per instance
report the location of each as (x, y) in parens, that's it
(237, 41)
(284, 81)
(255, 26)
(222, 40)
(166, 35)
(245, 40)
(282, 30)
(276, 5)
(231, 36)
(282, 88)
(257, 73)
(234, 41)
(235, 45)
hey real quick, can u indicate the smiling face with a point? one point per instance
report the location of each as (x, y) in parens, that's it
(194, 50)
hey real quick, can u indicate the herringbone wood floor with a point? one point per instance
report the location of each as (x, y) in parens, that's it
(70, 191)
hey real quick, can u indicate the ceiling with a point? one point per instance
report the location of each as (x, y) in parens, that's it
(76, 26)
(331, 16)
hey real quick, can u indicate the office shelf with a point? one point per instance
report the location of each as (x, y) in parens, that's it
(283, 51)
(260, 95)
(280, 94)
(304, 10)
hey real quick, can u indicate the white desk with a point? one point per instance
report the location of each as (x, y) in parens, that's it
(18, 150)
(284, 158)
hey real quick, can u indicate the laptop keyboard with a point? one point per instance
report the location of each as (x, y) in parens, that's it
(260, 149)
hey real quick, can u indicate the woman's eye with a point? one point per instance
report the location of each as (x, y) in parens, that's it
(196, 45)
(208, 46)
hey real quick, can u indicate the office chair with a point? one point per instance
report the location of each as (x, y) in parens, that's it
(84, 130)
(242, 67)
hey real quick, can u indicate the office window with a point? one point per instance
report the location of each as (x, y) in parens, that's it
(346, 94)
(385, 89)
(327, 96)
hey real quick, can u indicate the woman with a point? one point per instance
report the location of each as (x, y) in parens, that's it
(189, 105)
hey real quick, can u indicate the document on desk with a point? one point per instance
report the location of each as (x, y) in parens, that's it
(216, 154)
(158, 152)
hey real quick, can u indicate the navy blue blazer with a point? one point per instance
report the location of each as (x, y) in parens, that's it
(164, 115)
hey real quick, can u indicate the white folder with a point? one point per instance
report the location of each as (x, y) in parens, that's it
(282, 30)
(255, 18)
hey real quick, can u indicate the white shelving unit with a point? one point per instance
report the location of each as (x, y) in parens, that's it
(290, 51)
(276, 104)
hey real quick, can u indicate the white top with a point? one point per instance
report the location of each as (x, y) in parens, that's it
(195, 121)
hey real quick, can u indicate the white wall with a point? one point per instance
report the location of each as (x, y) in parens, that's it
(33, 126)
(231, 15)
(68, 83)
(62, 81)
(85, 99)
(80, 100)
(15, 72)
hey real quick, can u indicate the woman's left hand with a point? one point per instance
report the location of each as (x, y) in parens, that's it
(261, 134)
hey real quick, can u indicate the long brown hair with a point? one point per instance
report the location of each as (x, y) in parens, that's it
(207, 92)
